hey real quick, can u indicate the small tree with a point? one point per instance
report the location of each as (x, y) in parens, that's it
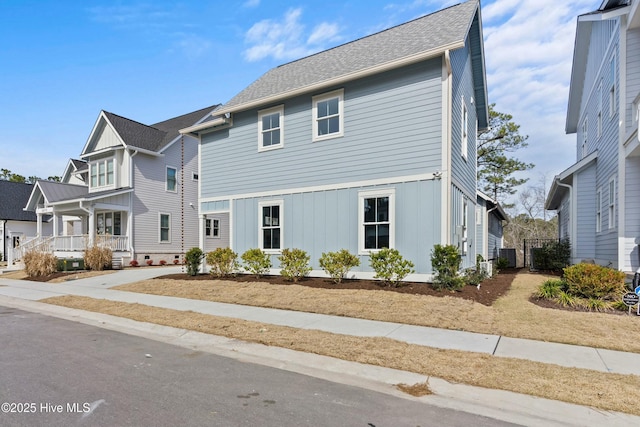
(193, 259)
(223, 262)
(256, 261)
(338, 264)
(294, 264)
(446, 260)
(390, 266)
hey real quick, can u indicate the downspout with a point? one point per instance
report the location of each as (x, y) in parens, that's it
(572, 217)
(130, 216)
(447, 104)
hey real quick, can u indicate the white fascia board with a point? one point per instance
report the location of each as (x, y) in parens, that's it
(102, 116)
(433, 53)
(218, 123)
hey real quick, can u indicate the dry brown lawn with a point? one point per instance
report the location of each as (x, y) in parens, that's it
(58, 277)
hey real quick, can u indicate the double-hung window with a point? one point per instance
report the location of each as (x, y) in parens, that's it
(585, 130)
(599, 118)
(465, 130)
(164, 228)
(271, 128)
(270, 225)
(212, 227)
(612, 87)
(598, 211)
(612, 203)
(376, 212)
(102, 174)
(464, 225)
(172, 179)
(328, 115)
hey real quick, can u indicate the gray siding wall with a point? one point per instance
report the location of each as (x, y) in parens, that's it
(323, 221)
(633, 76)
(223, 240)
(150, 199)
(458, 198)
(481, 209)
(496, 232)
(585, 187)
(392, 127)
(632, 213)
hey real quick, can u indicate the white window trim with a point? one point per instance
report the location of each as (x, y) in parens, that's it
(166, 179)
(280, 203)
(612, 203)
(160, 214)
(612, 88)
(391, 193)
(323, 97)
(585, 136)
(465, 130)
(464, 223)
(97, 163)
(599, 210)
(599, 117)
(280, 110)
(212, 228)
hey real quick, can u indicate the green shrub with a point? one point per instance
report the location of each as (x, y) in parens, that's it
(502, 263)
(37, 263)
(594, 281)
(256, 261)
(446, 260)
(552, 256)
(551, 288)
(193, 258)
(565, 299)
(294, 264)
(97, 258)
(223, 262)
(338, 264)
(389, 266)
(474, 276)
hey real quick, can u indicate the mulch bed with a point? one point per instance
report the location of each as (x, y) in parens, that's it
(489, 292)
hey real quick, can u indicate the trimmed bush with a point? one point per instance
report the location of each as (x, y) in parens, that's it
(193, 258)
(338, 264)
(552, 256)
(97, 258)
(446, 260)
(37, 263)
(594, 281)
(223, 262)
(256, 261)
(294, 264)
(390, 266)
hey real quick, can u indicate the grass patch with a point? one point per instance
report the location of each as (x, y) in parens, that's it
(614, 392)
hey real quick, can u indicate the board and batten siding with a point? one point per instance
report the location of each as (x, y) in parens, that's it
(632, 215)
(322, 221)
(150, 199)
(392, 127)
(458, 198)
(633, 77)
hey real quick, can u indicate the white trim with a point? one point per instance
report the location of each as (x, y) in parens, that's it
(611, 203)
(341, 186)
(445, 183)
(106, 186)
(269, 111)
(599, 210)
(213, 228)
(314, 114)
(166, 179)
(280, 204)
(160, 241)
(377, 193)
(464, 131)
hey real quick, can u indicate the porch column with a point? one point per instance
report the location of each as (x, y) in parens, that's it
(39, 224)
(201, 239)
(56, 220)
(92, 226)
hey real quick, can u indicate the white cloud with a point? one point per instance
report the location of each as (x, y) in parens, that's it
(251, 3)
(284, 39)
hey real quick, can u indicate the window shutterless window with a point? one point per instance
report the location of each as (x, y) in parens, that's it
(171, 181)
(376, 211)
(270, 225)
(165, 228)
(612, 87)
(328, 115)
(612, 203)
(598, 211)
(212, 227)
(102, 173)
(465, 129)
(271, 128)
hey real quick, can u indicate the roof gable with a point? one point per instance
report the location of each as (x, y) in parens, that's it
(415, 40)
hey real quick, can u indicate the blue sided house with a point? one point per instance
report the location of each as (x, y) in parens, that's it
(368, 145)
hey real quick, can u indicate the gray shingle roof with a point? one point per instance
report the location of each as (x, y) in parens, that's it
(58, 191)
(428, 33)
(13, 199)
(157, 136)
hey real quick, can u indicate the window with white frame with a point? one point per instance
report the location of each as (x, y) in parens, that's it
(328, 115)
(465, 129)
(599, 118)
(271, 128)
(102, 174)
(612, 88)
(599, 211)
(109, 223)
(212, 227)
(164, 229)
(376, 212)
(464, 224)
(270, 225)
(585, 130)
(171, 179)
(612, 203)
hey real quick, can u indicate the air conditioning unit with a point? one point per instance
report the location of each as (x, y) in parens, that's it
(487, 267)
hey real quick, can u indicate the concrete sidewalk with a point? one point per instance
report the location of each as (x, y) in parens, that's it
(24, 294)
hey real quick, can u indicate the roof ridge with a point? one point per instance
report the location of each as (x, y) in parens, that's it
(132, 121)
(210, 108)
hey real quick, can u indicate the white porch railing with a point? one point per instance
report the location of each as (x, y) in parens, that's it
(77, 243)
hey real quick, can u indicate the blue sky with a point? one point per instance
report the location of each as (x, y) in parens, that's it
(64, 61)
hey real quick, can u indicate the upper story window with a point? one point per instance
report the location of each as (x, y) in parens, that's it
(172, 179)
(271, 128)
(612, 89)
(612, 203)
(102, 174)
(328, 115)
(465, 129)
(585, 130)
(599, 118)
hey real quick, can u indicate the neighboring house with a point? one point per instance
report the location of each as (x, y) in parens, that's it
(598, 197)
(490, 218)
(135, 189)
(16, 225)
(367, 145)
